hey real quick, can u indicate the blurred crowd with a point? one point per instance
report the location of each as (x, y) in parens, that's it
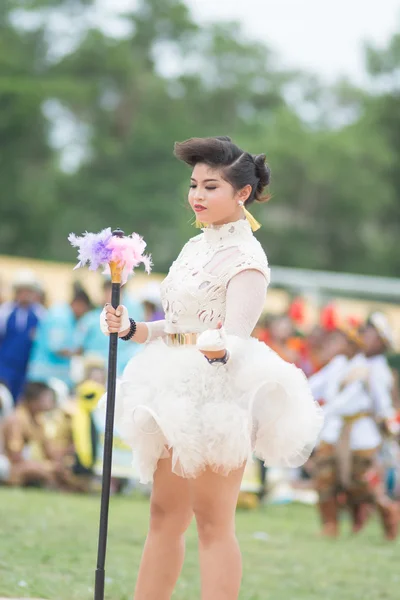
(353, 374)
(53, 367)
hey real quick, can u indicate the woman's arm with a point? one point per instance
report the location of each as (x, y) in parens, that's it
(245, 300)
(147, 332)
(116, 320)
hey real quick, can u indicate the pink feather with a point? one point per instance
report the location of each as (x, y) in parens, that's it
(129, 251)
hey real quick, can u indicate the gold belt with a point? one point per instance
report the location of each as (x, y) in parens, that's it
(356, 417)
(181, 339)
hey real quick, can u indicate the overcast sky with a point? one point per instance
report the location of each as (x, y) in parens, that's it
(321, 35)
(324, 36)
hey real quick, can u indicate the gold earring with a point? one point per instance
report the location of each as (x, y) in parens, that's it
(254, 224)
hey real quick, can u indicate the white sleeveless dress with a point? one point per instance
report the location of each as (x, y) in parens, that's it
(171, 401)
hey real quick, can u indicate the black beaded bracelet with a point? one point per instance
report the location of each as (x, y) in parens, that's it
(131, 332)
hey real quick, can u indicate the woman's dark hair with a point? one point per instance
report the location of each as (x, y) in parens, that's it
(239, 168)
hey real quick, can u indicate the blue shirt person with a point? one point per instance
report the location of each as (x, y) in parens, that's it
(18, 322)
(54, 343)
(90, 340)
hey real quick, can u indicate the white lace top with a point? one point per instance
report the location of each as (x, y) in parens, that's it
(220, 275)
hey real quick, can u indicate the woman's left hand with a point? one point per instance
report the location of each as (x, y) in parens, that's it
(212, 343)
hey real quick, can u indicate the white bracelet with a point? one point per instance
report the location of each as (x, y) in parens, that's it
(149, 332)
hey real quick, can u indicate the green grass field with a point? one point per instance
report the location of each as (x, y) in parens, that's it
(48, 550)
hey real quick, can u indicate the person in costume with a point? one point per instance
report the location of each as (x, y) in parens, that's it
(204, 395)
(343, 345)
(357, 420)
(319, 344)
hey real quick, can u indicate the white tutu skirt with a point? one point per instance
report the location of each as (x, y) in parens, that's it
(171, 402)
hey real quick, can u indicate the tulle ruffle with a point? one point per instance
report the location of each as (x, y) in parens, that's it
(171, 401)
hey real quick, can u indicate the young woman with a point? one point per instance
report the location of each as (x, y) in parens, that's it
(204, 396)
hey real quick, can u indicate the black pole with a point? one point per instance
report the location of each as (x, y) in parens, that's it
(108, 447)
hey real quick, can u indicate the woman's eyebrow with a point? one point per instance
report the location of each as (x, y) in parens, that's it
(205, 180)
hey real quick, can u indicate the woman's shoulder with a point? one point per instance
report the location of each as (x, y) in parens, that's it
(252, 252)
(191, 244)
(232, 259)
(187, 249)
(195, 239)
(256, 247)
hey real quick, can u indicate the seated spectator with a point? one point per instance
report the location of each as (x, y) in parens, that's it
(32, 458)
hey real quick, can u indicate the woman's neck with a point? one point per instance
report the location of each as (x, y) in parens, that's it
(232, 219)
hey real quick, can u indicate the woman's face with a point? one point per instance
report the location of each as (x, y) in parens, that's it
(213, 200)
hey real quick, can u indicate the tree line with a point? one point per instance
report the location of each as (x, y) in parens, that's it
(89, 115)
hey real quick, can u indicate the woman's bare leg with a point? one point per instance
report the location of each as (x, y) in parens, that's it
(163, 554)
(214, 499)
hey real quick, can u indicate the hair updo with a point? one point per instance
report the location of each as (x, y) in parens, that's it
(239, 168)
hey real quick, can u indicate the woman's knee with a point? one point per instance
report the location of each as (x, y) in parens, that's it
(169, 518)
(212, 526)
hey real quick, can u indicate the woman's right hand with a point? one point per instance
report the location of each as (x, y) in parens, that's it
(114, 320)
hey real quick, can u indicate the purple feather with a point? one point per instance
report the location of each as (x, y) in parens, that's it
(93, 248)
